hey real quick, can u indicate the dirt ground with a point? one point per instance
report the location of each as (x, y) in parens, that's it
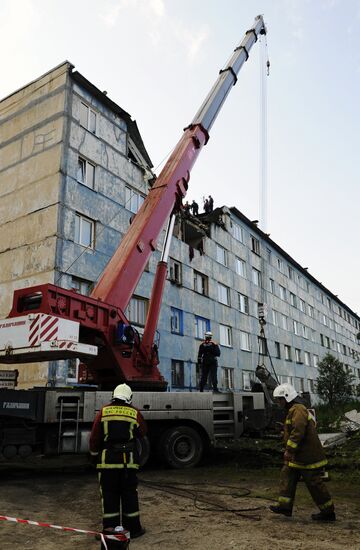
(173, 509)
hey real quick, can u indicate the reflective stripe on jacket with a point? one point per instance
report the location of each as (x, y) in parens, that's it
(301, 439)
(113, 436)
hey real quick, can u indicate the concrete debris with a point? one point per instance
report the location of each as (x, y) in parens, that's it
(354, 417)
(331, 440)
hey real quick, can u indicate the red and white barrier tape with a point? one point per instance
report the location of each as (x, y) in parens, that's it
(124, 536)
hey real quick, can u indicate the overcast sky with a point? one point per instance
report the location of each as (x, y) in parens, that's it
(158, 59)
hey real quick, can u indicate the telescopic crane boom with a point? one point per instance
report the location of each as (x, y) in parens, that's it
(101, 316)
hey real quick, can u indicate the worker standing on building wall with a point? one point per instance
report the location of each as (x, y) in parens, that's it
(304, 457)
(208, 353)
(113, 445)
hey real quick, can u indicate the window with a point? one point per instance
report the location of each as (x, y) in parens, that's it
(247, 378)
(283, 321)
(268, 255)
(262, 345)
(177, 321)
(86, 173)
(137, 310)
(275, 317)
(175, 271)
(133, 200)
(256, 277)
(221, 255)
(237, 232)
(227, 378)
(177, 373)
(291, 272)
(310, 311)
(280, 265)
(84, 231)
(302, 305)
(307, 358)
(324, 319)
(311, 386)
(338, 346)
(299, 384)
(255, 245)
(272, 286)
(287, 353)
(305, 332)
(225, 336)
(73, 370)
(202, 325)
(282, 292)
(313, 335)
(315, 360)
(243, 303)
(245, 341)
(328, 303)
(240, 267)
(87, 118)
(298, 355)
(277, 350)
(201, 283)
(296, 327)
(293, 299)
(81, 285)
(223, 294)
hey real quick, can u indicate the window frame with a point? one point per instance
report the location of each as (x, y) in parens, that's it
(79, 219)
(227, 341)
(198, 319)
(204, 280)
(248, 341)
(89, 111)
(178, 326)
(86, 174)
(174, 374)
(223, 292)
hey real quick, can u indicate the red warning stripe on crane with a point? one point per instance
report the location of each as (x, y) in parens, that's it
(42, 329)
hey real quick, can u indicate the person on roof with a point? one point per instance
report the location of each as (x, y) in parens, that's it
(211, 203)
(304, 457)
(113, 447)
(208, 353)
(195, 208)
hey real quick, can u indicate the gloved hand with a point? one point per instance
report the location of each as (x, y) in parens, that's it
(288, 456)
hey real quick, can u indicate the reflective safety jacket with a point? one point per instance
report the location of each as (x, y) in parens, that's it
(113, 436)
(301, 439)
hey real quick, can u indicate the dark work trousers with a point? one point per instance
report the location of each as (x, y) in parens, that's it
(119, 485)
(205, 371)
(289, 478)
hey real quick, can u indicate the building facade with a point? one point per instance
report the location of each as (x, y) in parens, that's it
(74, 171)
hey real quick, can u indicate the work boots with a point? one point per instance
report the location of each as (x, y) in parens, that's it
(278, 510)
(324, 516)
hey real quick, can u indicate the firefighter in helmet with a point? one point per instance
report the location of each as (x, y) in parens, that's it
(304, 457)
(208, 353)
(113, 446)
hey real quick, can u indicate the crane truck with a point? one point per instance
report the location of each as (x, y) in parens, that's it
(48, 322)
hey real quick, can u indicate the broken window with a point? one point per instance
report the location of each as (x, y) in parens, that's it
(201, 283)
(175, 272)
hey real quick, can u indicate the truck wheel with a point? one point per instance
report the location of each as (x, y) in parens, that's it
(143, 448)
(181, 447)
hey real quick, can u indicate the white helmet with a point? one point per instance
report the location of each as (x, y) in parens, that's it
(123, 392)
(208, 334)
(285, 390)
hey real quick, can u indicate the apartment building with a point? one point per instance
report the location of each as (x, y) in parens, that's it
(70, 159)
(74, 171)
